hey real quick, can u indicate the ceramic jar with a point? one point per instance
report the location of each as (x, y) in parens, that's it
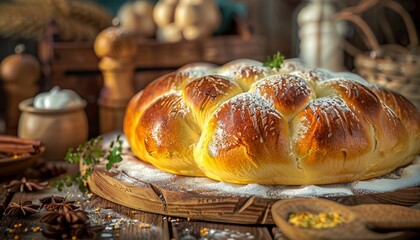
(58, 129)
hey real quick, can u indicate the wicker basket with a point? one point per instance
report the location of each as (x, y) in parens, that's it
(393, 66)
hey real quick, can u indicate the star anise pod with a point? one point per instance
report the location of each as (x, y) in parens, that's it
(54, 227)
(56, 203)
(51, 199)
(65, 224)
(24, 184)
(84, 231)
(65, 217)
(22, 209)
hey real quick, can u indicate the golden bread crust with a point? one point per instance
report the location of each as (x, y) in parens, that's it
(245, 123)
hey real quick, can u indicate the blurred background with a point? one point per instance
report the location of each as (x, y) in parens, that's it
(61, 36)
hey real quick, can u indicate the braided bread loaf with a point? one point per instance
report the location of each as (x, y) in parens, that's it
(246, 123)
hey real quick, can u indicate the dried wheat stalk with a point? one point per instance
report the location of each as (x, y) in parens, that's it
(76, 20)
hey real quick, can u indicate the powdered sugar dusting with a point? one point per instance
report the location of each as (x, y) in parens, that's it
(334, 109)
(313, 190)
(218, 85)
(185, 76)
(403, 178)
(219, 141)
(351, 76)
(194, 73)
(314, 75)
(286, 84)
(131, 167)
(245, 73)
(291, 65)
(137, 172)
(245, 105)
(249, 102)
(248, 70)
(175, 103)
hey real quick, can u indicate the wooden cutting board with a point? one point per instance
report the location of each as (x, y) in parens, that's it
(152, 197)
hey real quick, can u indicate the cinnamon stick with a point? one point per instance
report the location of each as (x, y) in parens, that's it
(15, 145)
(13, 139)
(17, 148)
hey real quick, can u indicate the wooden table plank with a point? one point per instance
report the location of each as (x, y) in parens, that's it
(123, 222)
(131, 223)
(120, 222)
(278, 235)
(178, 226)
(11, 227)
(138, 224)
(182, 229)
(4, 197)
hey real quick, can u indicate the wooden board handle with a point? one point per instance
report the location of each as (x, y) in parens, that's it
(387, 228)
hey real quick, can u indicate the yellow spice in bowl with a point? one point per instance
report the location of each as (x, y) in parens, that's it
(316, 221)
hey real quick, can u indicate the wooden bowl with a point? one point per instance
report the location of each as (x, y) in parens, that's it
(15, 165)
(366, 221)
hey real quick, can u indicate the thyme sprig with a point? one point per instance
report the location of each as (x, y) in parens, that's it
(275, 61)
(91, 153)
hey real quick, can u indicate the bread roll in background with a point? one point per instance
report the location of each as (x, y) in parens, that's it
(246, 123)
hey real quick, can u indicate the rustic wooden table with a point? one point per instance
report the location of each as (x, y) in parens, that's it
(120, 222)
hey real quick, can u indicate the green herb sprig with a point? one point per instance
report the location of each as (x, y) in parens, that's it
(275, 61)
(90, 153)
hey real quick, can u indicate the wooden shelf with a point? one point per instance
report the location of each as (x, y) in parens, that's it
(74, 65)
